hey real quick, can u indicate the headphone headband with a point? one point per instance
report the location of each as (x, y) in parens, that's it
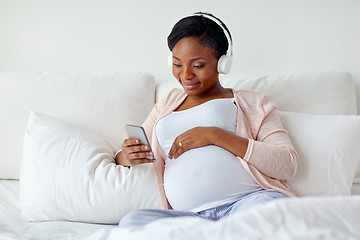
(221, 24)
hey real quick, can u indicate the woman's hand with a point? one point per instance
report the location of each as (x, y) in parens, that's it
(204, 136)
(133, 153)
(193, 138)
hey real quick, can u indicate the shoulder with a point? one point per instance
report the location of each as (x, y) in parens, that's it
(249, 94)
(250, 100)
(168, 102)
(172, 99)
(173, 95)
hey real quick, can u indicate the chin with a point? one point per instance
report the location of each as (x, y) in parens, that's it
(193, 93)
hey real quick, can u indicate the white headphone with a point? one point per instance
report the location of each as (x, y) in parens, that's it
(225, 61)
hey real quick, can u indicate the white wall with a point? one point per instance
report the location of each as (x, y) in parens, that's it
(270, 36)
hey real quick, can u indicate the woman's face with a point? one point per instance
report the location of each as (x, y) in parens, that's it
(195, 67)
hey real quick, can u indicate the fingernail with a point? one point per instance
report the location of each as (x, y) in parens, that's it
(150, 153)
(145, 147)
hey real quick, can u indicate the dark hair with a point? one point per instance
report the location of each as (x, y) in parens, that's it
(208, 33)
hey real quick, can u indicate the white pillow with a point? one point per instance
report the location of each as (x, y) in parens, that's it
(328, 149)
(69, 174)
(102, 103)
(323, 92)
(327, 92)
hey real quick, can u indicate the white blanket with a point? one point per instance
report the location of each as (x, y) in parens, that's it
(301, 218)
(297, 218)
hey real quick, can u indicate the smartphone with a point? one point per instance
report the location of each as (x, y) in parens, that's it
(138, 132)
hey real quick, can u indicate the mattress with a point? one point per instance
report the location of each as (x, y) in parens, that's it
(312, 218)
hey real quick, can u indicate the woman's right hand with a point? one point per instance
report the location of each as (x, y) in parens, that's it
(133, 153)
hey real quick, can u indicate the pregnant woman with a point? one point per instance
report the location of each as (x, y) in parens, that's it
(216, 151)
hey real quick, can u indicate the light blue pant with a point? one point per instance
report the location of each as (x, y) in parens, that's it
(144, 216)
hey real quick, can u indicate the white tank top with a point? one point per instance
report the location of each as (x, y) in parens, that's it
(204, 177)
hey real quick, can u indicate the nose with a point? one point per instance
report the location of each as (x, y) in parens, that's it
(186, 73)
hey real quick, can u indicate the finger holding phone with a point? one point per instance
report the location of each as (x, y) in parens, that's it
(136, 149)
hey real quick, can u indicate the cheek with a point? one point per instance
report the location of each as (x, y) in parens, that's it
(176, 72)
(209, 74)
(210, 71)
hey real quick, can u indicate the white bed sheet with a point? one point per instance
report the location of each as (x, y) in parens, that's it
(296, 218)
(12, 226)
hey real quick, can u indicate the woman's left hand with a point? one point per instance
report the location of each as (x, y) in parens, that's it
(193, 138)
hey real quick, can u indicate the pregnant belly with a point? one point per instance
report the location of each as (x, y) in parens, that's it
(205, 176)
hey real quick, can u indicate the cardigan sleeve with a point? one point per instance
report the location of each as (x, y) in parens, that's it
(271, 152)
(150, 121)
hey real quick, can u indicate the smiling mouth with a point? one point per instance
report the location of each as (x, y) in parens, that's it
(190, 85)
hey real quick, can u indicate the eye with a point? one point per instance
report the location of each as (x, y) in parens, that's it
(177, 65)
(199, 66)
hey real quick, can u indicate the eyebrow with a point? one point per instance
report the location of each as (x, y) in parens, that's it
(192, 60)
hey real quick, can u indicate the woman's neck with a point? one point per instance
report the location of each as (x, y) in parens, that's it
(192, 101)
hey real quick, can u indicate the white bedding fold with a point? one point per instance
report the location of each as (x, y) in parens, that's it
(301, 218)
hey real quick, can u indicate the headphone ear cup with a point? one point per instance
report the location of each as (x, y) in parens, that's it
(170, 59)
(224, 64)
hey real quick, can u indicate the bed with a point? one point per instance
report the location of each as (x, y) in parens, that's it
(59, 181)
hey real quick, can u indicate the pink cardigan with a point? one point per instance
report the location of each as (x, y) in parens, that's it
(270, 157)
